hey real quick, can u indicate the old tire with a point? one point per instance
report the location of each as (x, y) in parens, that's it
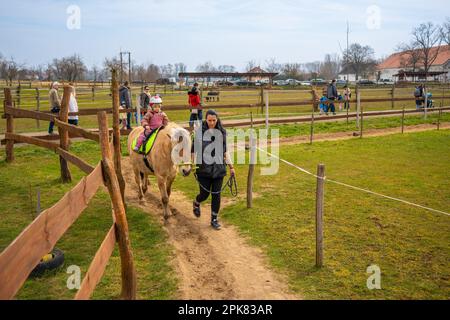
(55, 262)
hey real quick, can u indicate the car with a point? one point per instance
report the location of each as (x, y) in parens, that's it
(224, 83)
(385, 81)
(292, 82)
(366, 82)
(279, 82)
(243, 83)
(318, 82)
(341, 82)
(305, 83)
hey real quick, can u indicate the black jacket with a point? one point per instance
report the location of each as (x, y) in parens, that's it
(215, 170)
(124, 97)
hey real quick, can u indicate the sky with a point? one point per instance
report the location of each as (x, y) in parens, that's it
(227, 32)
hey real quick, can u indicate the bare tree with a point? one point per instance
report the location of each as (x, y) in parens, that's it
(69, 68)
(11, 69)
(359, 59)
(153, 73)
(445, 32)
(428, 38)
(411, 56)
(250, 65)
(312, 68)
(292, 70)
(114, 63)
(2, 67)
(226, 68)
(167, 70)
(273, 66)
(180, 67)
(330, 67)
(206, 67)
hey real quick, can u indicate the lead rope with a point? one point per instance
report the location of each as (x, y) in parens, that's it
(231, 184)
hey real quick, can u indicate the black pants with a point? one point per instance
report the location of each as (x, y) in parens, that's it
(214, 185)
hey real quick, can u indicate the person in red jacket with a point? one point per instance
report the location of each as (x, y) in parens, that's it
(195, 105)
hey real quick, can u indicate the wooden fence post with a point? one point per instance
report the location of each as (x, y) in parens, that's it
(93, 92)
(358, 105)
(393, 96)
(251, 167)
(315, 99)
(116, 134)
(64, 134)
(18, 94)
(403, 118)
(312, 127)
(38, 105)
(126, 255)
(9, 126)
(319, 214)
(362, 122)
(267, 109)
(439, 117)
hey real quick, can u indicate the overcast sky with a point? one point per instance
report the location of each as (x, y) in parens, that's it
(195, 31)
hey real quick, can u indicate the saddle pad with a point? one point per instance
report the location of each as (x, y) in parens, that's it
(148, 144)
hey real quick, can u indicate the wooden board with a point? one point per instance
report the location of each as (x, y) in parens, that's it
(80, 163)
(39, 238)
(98, 266)
(21, 113)
(77, 131)
(32, 140)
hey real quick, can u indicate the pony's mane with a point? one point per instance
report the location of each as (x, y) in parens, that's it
(176, 132)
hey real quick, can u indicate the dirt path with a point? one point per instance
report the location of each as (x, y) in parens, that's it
(210, 264)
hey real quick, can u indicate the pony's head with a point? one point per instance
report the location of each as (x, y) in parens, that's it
(181, 150)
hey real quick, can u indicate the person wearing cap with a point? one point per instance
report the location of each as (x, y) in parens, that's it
(55, 103)
(155, 118)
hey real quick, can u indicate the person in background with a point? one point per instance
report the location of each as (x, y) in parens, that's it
(73, 107)
(332, 95)
(347, 97)
(323, 105)
(125, 101)
(55, 103)
(144, 101)
(419, 95)
(340, 100)
(194, 105)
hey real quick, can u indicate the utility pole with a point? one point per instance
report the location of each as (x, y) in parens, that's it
(346, 57)
(129, 65)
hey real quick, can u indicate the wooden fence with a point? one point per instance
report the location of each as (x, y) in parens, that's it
(39, 238)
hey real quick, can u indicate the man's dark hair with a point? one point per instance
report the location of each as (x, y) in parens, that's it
(126, 83)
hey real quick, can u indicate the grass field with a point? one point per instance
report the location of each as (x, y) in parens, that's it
(410, 245)
(36, 168)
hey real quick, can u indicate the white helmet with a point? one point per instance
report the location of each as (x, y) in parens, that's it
(155, 99)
